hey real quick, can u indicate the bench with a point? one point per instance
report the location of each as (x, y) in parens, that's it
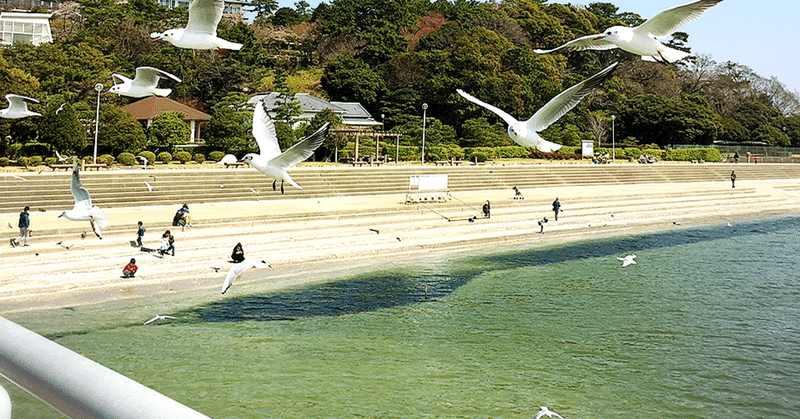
(82, 167)
(359, 163)
(95, 166)
(447, 162)
(60, 166)
(234, 164)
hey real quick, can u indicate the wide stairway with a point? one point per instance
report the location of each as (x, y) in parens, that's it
(49, 191)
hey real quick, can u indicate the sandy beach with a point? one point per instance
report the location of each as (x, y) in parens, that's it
(306, 240)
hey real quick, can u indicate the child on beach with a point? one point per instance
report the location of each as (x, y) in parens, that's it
(139, 233)
(130, 269)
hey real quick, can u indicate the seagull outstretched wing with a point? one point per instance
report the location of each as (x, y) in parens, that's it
(668, 21)
(17, 103)
(82, 198)
(204, 15)
(302, 150)
(566, 100)
(237, 270)
(581, 44)
(149, 76)
(501, 113)
(264, 132)
(120, 79)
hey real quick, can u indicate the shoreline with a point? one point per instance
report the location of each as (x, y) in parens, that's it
(331, 240)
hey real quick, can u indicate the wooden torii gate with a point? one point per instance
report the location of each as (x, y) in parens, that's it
(365, 133)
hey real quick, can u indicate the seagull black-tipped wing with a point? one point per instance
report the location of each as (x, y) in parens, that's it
(303, 149)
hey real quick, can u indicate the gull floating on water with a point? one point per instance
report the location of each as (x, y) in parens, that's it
(201, 31)
(643, 39)
(157, 318)
(18, 107)
(628, 260)
(525, 133)
(83, 209)
(237, 270)
(546, 412)
(144, 84)
(271, 161)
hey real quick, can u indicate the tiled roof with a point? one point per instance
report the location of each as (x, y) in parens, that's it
(352, 113)
(153, 106)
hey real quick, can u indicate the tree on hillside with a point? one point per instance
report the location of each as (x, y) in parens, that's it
(230, 128)
(119, 131)
(62, 130)
(264, 8)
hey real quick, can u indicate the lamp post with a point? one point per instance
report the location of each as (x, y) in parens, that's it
(424, 118)
(613, 148)
(98, 88)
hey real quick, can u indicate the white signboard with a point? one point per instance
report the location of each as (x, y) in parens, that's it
(587, 148)
(429, 182)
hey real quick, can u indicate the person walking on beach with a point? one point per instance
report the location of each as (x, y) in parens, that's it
(24, 227)
(733, 179)
(556, 207)
(487, 209)
(139, 233)
(130, 269)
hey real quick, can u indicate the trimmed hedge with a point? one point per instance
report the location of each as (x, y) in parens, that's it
(182, 156)
(216, 155)
(23, 161)
(199, 158)
(164, 157)
(4, 161)
(150, 156)
(35, 160)
(106, 159)
(127, 159)
(50, 160)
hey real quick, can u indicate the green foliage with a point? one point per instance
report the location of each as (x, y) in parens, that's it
(149, 155)
(168, 130)
(4, 161)
(34, 149)
(106, 159)
(183, 156)
(229, 129)
(164, 157)
(50, 160)
(62, 130)
(35, 160)
(198, 158)
(216, 155)
(127, 159)
(23, 161)
(119, 131)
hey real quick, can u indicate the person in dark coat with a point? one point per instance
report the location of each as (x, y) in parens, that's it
(487, 209)
(24, 227)
(238, 253)
(556, 207)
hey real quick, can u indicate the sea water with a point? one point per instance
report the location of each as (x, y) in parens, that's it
(706, 325)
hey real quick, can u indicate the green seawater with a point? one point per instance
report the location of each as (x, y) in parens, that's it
(706, 325)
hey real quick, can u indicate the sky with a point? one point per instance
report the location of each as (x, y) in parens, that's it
(763, 35)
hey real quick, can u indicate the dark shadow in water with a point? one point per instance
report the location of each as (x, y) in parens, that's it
(379, 290)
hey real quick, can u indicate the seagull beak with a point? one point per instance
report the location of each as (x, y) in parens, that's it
(599, 37)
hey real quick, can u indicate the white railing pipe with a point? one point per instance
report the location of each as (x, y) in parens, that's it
(75, 385)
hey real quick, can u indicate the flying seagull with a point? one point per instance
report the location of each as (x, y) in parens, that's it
(201, 31)
(60, 158)
(643, 39)
(18, 107)
(149, 187)
(271, 161)
(18, 177)
(157, 318)
(144, 84)
(546, 412)
(83, 209)
(628, 260)
(237, 270)
(525, 133)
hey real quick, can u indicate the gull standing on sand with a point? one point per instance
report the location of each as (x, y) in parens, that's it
(525, 133)
(237, 270)
(628, 260)
(546, 412)
(83, 209)
(201, 31)
(643, 39)
(18, 107)
(144, 84)
(271, 161)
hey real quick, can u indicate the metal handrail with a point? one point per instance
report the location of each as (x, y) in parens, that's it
(76, 386)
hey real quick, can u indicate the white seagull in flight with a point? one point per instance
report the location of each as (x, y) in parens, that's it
(201, 31)
(643, 39)
(157, 318)
(628, 260)
(144, 84)
(525, 133)
(18, 107)
(83, 209)
(546, 412)
(271, 161)
(237, 270)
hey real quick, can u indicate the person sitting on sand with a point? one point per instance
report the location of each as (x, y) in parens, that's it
(238, 253)
(130, 269)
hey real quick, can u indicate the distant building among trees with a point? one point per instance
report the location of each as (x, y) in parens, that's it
(29, 28)
(352, 113)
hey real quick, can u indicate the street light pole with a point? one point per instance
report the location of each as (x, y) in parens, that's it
(98, 88)
(424, 118)
(613, 148)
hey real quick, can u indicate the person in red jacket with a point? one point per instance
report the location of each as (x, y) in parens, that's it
(130, 269)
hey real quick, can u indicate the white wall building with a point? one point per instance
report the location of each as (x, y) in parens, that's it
(30, 28)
